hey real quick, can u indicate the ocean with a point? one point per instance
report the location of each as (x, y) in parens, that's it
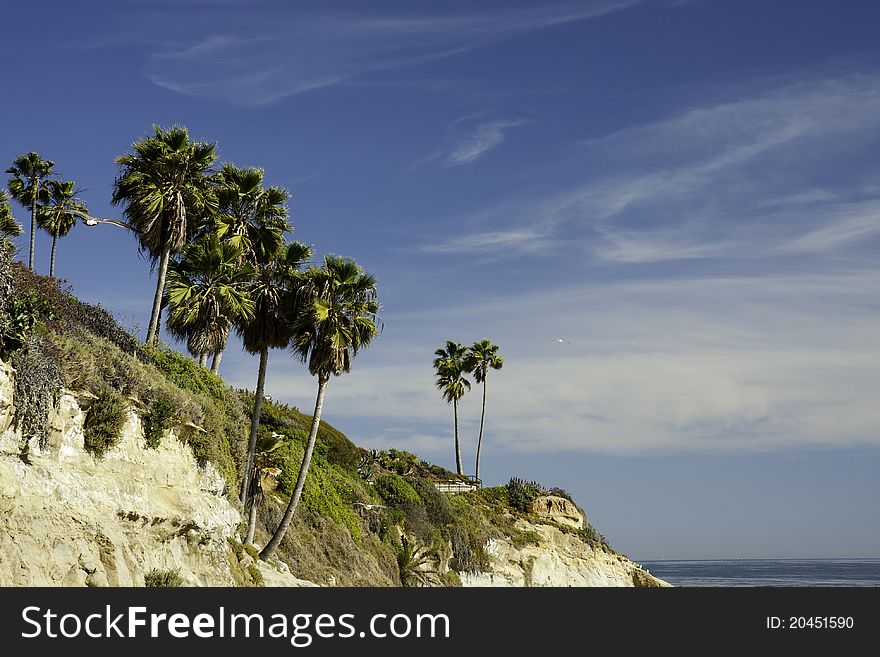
(768, 572)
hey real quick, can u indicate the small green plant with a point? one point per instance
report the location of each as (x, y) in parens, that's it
(521, 494)
(103, 424)
(396, 491)
(158, 420)
(415, 564)
(21, 317)
(164, 579)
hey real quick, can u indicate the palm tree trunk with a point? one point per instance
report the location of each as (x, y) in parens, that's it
(252, 524)
(52, 259)
(303, 471)
(203, 359)
(255, 425)
(480, 440)
(34, 223)
(153, 330)
(215, 362)
(458, 468)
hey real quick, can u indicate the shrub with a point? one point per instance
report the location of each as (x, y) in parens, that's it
(521, 494)
(560, 492)
(163, 578)
(396, 491)
(103, 423)
(331, 444)
(158, 420)
(19, 318)
(37, 384)
(436, 503)
(328, 491)
(520, 539)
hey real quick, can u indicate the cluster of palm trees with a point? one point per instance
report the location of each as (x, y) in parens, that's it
(217, 235)
(452, 364)
(52, 202)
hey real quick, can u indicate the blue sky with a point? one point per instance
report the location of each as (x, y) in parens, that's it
(687, 191)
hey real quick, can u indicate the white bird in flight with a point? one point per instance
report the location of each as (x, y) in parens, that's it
(562, 340)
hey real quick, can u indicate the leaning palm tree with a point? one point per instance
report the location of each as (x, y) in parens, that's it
(273, 281)
(250, 216)
(449, 368)
(58, 215)
(482, 356)
(334, 317)
(9, 227)
(28, 172)
(166, 191)
(206, 292)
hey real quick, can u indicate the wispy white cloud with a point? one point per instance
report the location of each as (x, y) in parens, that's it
(469, 147)
(293, 53)
(704, 182)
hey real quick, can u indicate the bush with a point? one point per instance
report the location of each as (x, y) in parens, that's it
(163, 578)
(158, 420)
(103, 423)
(521, 494)
(331, 444)
(436, 503)
(19, 318)
(396, 491)
(328, 491)
(37, 384)
(560, 492)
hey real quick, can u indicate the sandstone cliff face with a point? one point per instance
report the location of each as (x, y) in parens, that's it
(560, 558)
(68, 519)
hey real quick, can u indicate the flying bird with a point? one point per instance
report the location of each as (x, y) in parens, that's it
(562, 340)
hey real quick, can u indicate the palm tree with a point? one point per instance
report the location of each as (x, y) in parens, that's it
(263, 469)
(449, 366)
(166, 190)
(9, 227)
(250, 216)
(272, 283)
(58, 215)
(334, 317)
(206, 292)
(481, 357)
(415, 564)
(28, 171)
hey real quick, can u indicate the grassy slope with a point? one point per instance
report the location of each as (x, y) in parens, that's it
(356, 504)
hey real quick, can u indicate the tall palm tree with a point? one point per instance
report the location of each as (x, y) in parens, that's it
(274, 280)
(57, 216)
(206, 292)
(250, 216)
(9, 227)
(333, 319)
(166, 190)
(449, 368)
(28, 172)
(482, 356)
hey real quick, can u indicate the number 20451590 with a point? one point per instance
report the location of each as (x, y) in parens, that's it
(810, 623)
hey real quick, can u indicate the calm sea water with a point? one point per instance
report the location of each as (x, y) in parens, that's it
(768, 572)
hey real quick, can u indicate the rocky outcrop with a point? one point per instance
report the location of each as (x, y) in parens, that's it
(559, 510)
(559, 558)
(69, 519)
